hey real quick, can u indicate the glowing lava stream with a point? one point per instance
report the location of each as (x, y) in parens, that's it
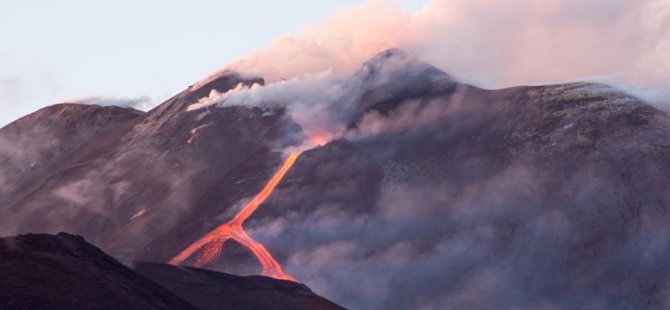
(211, 244)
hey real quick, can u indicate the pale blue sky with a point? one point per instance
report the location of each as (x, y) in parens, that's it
(51, 51)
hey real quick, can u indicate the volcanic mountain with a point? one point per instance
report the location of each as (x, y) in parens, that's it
(433, 194)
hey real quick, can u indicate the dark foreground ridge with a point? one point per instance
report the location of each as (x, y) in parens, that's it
(63, 271)
(208, 289)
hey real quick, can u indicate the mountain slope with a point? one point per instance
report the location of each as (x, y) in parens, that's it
(44, 140)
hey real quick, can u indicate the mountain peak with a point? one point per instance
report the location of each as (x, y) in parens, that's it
(390, 53)
(395, 60)
(394, 75)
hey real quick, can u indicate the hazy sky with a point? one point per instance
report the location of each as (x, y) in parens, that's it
(51, 51)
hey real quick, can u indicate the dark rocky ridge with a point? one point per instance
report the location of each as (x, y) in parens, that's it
(65, 272)
(213, 290)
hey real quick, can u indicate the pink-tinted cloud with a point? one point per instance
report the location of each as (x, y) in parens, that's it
(491, 43)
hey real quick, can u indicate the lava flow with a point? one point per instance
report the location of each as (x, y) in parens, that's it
(211, 244)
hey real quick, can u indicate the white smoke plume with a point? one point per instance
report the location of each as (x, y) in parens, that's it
(489, 43)
(307, 98)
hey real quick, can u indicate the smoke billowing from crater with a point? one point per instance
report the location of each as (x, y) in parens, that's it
(488, 43)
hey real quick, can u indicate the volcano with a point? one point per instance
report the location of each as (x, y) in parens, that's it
(433, 193)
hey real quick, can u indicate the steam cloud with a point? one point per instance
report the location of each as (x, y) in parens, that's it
(489, 43)
(308, 98)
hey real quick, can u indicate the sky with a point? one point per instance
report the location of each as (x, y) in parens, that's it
(53, 51)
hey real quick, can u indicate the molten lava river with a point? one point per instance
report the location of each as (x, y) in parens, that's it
(211, 244)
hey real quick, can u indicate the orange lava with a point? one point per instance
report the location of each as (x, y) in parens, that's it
(209, 246)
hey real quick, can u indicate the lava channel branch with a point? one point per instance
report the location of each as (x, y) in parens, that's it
(210, 245)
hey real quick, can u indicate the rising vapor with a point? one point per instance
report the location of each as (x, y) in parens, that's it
(489, 43)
